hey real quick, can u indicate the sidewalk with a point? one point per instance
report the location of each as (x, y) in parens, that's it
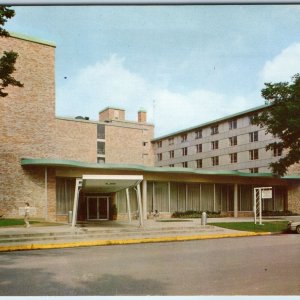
(116, 233)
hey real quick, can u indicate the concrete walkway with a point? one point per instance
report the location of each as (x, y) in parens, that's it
(116, 233)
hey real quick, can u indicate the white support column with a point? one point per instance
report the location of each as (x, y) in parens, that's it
(153, 196)
(145, 200)
(214, 197)
(46, 194)
(235, 201)
(169, 195)
(200, 199)
(76, 198)
(186, 196)
(140, 209)
(128, 205)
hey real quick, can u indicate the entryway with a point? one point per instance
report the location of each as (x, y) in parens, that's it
(97, 208)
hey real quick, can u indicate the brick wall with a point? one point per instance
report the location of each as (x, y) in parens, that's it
(27, 125)
(125, 144)
(76, 140)
(294, 198)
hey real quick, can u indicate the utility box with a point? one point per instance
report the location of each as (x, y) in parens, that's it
(204, 218)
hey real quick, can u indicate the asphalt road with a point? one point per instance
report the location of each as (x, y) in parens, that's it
(268, 265)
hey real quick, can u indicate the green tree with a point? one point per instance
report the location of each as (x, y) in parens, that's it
(8, 60)
(282, 119)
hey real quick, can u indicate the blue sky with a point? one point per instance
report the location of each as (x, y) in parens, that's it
(197, 63)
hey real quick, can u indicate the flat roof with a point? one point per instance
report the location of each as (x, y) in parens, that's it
(31, 39)
(111, 107)
(142, 168)
(212, 122)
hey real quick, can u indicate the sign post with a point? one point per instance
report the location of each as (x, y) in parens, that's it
(258, 195)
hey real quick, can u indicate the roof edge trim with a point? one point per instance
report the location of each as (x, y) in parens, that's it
(131, 167)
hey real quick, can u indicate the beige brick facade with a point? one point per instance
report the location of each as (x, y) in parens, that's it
(111, 113)
(76, 140)
(129, 143)
(27, 126)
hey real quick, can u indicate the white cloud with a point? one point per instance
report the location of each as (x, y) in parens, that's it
(109, 83)
(283, 66)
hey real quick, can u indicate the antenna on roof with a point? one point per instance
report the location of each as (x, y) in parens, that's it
(154, 111)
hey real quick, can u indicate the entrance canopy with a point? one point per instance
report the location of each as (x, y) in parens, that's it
(109, 183)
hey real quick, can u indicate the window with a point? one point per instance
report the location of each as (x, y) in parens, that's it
(185, 164)
(233, 158)
(277, 152)
(171, 141)
(144, 144)
(159, 144)
(171, 153)
(232, 124)
(101, 148)
(199, 148)
(251, 118)
(253, 154)
(253, 136)
(199, 163)
(253, 170)
(184, 151)
(215, 145)
(159, 156)
(215, 160)
(100, 160)
(183, 138)
(198, 134)
(100, 131)
(171, 165)
(233, 141)
(214, 129)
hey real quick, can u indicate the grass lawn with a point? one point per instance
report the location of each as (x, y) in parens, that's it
(277, 226)
(14, 222)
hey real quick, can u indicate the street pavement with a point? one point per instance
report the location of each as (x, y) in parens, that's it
(265, 265)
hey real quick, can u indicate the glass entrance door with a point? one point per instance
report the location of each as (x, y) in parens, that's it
(97, 208)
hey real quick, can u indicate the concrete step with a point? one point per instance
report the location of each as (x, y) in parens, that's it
(99, 235)
(83, 231)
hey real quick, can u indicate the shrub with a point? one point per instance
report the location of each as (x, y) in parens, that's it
(195, 214)
(278, 213)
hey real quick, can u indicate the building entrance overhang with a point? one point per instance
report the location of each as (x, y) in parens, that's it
(108, 184)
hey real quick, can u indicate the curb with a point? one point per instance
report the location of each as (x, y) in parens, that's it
(127, 241)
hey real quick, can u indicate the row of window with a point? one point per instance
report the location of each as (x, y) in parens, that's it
(215, 161)
(198, 133)
(253, 137)
(253, 155)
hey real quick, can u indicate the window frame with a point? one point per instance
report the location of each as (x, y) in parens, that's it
(253, 136)
(254, 154)
(233, 158)
(215, 160)
(233, 141)
(199, 148)
(232, 124)
(198, 134)
(214, 129)
(199, 163)
(214, 145)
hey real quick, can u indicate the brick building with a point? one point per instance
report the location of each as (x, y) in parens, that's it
(50, 161)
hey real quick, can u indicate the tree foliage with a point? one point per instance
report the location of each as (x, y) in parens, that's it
(282, 119)
(8, 60)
